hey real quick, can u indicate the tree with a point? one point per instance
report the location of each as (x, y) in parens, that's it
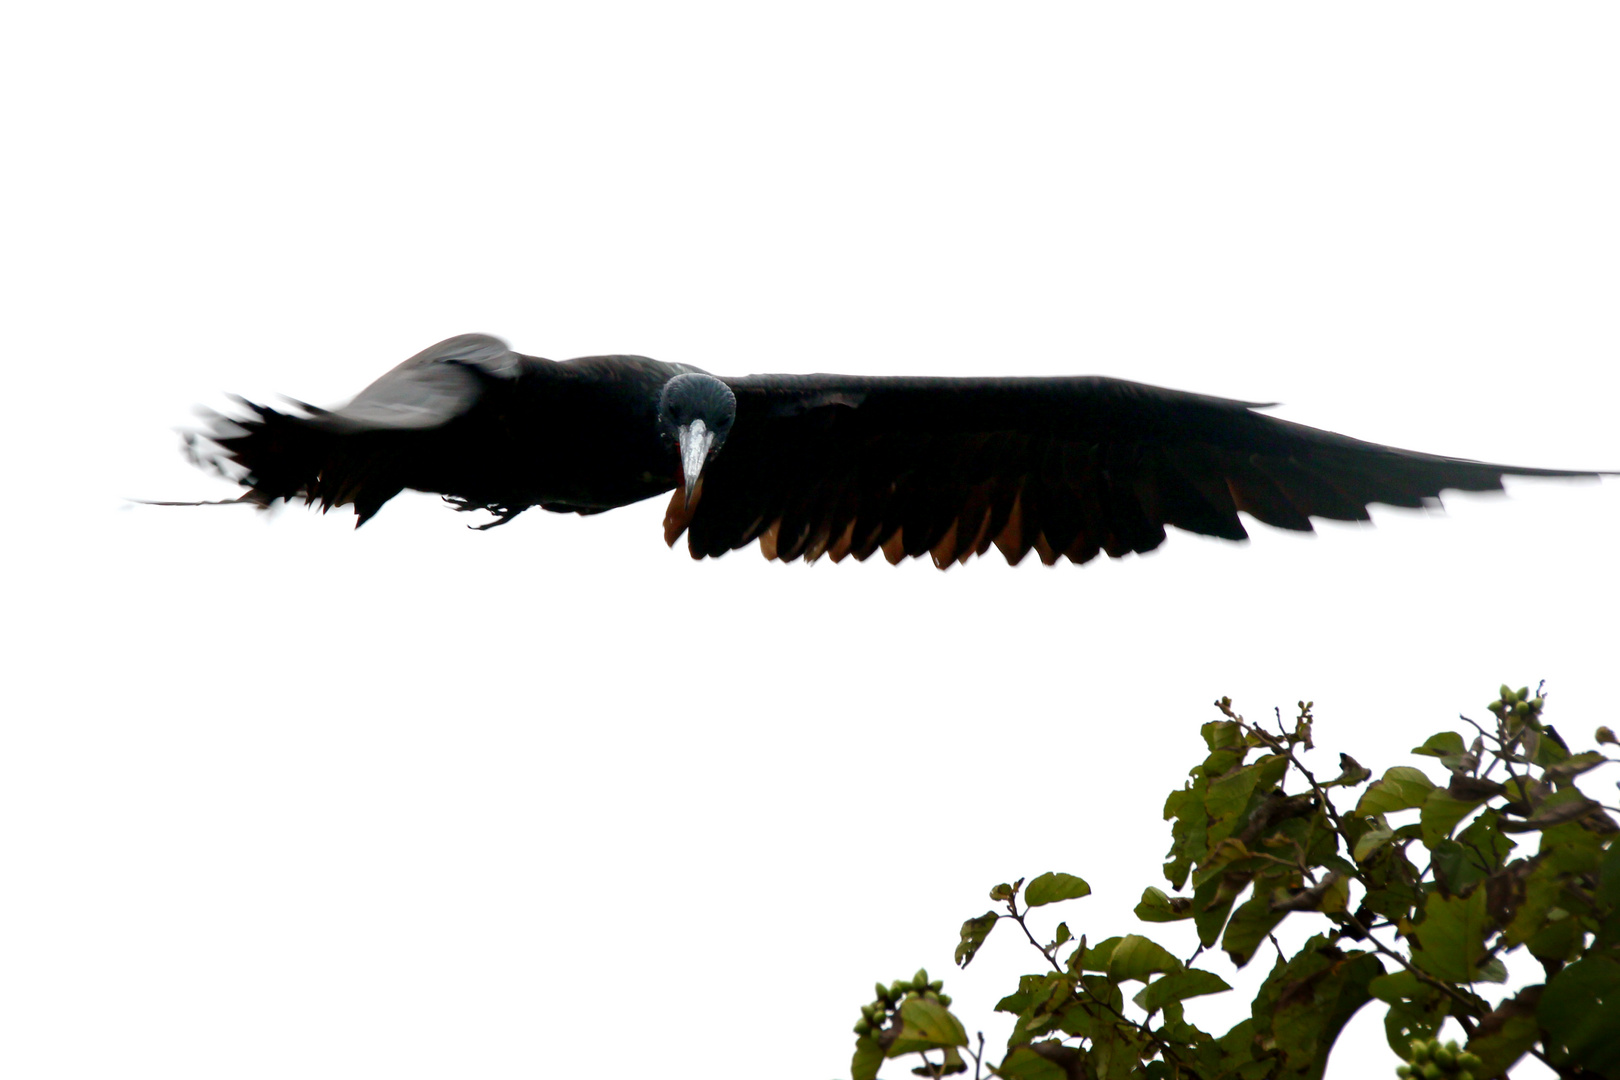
(1421, 887)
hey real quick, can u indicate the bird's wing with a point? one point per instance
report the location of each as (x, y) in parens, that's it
(1067, 467)
(363, 453)
(431, 388)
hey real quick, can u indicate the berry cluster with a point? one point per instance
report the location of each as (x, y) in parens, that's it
(1518, 704)
(876, 1015)
(1430, 1060)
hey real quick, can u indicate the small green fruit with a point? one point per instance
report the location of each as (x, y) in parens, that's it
(882, 992)
(944, 999)
(863, 1028)
(1523, 694)
(1507, 695)
(1469, 1061)
(1464, 1075)
(920, 979)
(937, 985)
(899, 989)
(1420, 1051)
(1403, 1071)
(1445, 1057)
(1431, 1071)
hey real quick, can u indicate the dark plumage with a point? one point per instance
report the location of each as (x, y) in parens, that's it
(827, 464)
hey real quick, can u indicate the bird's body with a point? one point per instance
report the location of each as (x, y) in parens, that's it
(828, 465)
(471, 421)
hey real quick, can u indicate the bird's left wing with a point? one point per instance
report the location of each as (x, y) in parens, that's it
(367, 451)
(431, 388)
(1066, 467)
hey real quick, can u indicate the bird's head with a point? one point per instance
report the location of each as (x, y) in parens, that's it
(696, 412)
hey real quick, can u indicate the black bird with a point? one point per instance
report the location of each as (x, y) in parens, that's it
(831, 465)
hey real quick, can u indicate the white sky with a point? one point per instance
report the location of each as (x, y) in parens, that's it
(282, 799)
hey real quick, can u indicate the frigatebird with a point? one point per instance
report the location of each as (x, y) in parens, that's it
(834, 465)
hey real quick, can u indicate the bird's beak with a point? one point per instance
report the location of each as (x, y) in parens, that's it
(696, 439)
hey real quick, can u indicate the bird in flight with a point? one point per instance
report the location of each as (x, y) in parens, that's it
(824, 465)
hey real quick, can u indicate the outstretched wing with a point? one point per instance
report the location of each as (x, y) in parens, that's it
(1067, 467)
(365, 452)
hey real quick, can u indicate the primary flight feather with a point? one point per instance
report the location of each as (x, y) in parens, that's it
(834, 465)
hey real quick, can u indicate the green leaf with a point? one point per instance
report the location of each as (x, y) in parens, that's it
(1029, 988)
(1050, 888)
(1571, 847)
(925, 1024)
(1047, 997)
(1401, 788)
(1486, 840)
(1388, 875)
(1249, 926)
(1025, 1064)
(1581, 1011)
(1455, 867)
(974, 931)
(1190, 831)
(1179, 986)
(1374, 838)
(1529, 904)
(1136, 957)
(868, 1059)
(1559, 940)
(1608, 898)
(1229, 795)
(1156, 906)
(1452, 936)
(1441, 813)
(1551, 749)
(1304, 1004)
(1212, 903)
(1097, 957)
(1416, 1009)
(1442, 745)
(1233, 1055)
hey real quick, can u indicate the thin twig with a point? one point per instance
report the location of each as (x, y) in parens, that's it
(1310, 778)
(1012, 906)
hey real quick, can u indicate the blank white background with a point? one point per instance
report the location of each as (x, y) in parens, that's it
(283, 799)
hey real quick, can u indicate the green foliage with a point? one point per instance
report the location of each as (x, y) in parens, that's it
(1050, 888)
(1416, 892)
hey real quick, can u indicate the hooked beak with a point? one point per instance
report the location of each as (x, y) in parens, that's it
(696, 440)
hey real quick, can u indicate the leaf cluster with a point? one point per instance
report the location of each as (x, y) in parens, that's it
(1418, 887)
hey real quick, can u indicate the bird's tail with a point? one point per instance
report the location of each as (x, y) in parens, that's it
(281, 456)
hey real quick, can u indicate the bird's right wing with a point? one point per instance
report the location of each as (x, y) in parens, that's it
(1067, 467)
